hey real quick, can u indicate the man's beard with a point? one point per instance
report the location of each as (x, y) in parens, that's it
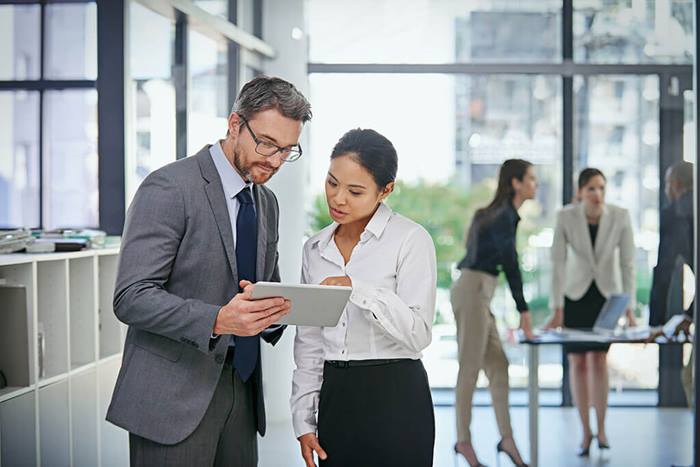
(245, 171)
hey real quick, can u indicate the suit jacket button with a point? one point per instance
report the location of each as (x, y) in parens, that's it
(219, 358)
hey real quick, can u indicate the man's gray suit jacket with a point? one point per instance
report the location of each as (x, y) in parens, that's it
(177, 267)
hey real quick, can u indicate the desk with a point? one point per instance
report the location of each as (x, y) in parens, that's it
(533, 384)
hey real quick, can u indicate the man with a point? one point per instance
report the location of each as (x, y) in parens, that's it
(675, 249)
(675, 240)
(199, 232)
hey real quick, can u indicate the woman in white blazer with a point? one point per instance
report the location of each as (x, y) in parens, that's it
(592, 257)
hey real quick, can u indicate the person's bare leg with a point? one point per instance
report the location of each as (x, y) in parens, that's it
(578, 372)
(599, 388)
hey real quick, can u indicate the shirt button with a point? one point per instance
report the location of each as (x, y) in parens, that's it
(343, 324)
(343, 351)
(219, 358)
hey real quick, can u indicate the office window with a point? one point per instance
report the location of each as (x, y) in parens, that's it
(434, 32)
(71, 41)
(19, 159)
(451, 134)
(152, 94)
(19, 42)
(624, 143)
(70, 159)
(207, 96)
(638, 31)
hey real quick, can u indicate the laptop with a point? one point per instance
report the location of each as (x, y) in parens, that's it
(606, 323)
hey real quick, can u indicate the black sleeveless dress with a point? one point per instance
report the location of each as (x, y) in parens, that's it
(582, 313)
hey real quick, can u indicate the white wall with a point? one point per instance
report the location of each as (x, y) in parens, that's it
(290, 185)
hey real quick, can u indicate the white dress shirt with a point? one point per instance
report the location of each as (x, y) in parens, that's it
(390, 311)
(232, 182)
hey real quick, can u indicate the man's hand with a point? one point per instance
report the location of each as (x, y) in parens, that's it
(243, 316)
(309, 444)
(557, 319)
(338, 280)
(631, 320)
(526, 325)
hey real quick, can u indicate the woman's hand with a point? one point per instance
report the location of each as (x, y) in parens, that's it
(338, 280)
(631, 320)
(309, 444)
(526, 325)
(557, 319)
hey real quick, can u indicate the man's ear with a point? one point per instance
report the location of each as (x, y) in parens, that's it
(234, 125)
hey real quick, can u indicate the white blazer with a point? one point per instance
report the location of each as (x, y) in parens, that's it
(576, 264)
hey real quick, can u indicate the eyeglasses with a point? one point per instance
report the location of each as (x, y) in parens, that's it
(264, 148)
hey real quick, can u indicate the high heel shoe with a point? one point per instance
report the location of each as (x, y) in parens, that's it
(602, 445)
(499, 450)
(458, 452)
(585, 451)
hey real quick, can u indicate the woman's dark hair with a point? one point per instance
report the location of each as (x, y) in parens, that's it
(587, 174)
(510, 169)
(372, 151)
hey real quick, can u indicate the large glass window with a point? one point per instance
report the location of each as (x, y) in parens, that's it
(70, 159)
(19, 42)
(208, 99)
(617, 131)
(633, 31)
(451, 136)
(70, 41)
(53, 183)
(152, 94)
(429, 32)
(19, 159)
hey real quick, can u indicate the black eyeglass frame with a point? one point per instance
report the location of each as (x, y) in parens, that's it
(293, 153)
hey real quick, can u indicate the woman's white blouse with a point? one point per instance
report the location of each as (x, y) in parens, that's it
(390, 311)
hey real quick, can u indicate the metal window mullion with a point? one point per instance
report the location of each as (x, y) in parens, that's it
(180, 79)
(233, 57)
(42, 51)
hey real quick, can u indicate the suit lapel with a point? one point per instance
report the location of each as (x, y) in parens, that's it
(261, 211)
(585, 234)
(217, 201)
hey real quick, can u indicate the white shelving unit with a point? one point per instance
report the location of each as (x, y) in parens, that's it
(60, 351)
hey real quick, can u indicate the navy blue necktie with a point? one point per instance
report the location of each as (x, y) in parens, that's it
(245, 357)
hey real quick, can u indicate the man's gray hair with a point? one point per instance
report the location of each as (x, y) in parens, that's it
(266, 92)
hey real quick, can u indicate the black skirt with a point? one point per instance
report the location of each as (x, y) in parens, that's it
(581, 314)
(376, 416)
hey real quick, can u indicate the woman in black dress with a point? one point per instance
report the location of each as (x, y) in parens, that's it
(592, 257)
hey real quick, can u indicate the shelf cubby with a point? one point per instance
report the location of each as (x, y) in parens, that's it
(52, 328)
(110, 328)
(83, 311)
(54, 424)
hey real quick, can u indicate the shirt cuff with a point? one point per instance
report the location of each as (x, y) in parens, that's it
(362, 295)
(304, 422)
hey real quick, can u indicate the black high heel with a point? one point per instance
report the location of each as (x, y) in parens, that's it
(457, 453)
(602, 445)
(499, 450)
(584, 452)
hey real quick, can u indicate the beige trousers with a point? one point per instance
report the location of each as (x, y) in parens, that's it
(479, 347)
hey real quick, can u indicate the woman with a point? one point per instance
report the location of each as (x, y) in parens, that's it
(593, 245)
(490, 248)
(360, 394)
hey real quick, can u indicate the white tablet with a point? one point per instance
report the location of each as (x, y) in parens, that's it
(312, 305)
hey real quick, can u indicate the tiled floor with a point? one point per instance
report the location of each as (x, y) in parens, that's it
(638, 436)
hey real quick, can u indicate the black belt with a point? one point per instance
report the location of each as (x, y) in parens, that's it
(356, 363)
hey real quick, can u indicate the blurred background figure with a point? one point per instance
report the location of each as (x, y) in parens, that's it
(490, 249)
(593, 246)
